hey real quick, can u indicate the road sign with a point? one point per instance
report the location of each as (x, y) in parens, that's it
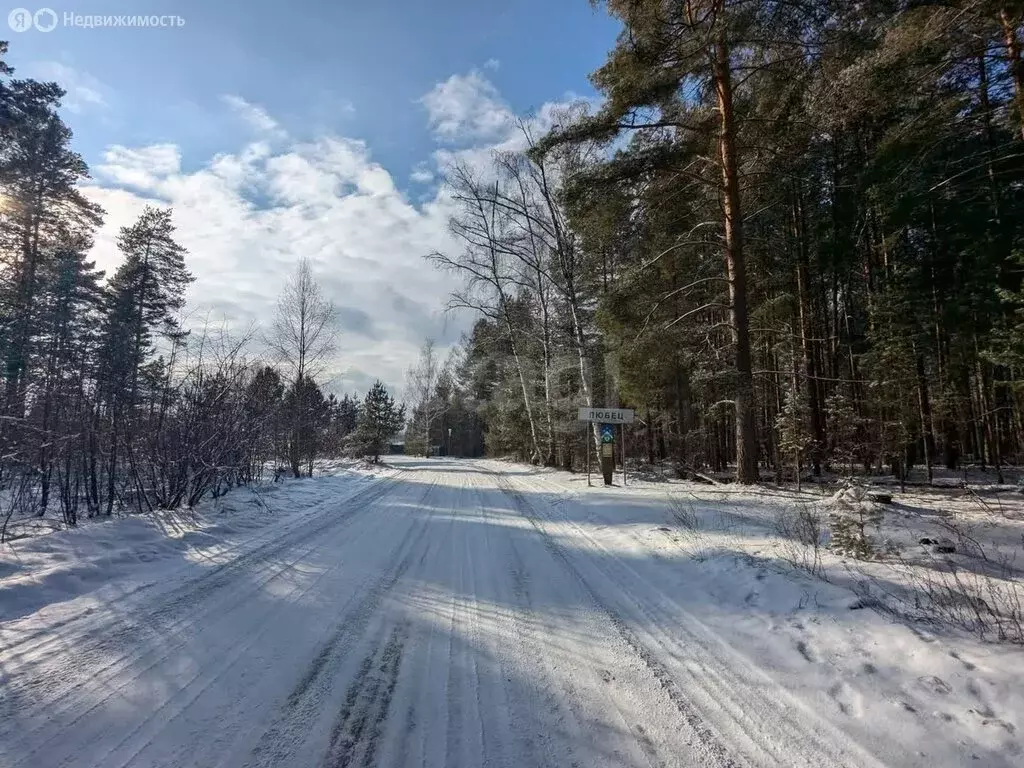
(607, 415)
(607, 433)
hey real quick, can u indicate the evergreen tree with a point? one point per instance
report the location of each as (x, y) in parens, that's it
(307, 413)
(855, 169)
(43, 212)
(380, 419)
(264, 420)
(145, 293)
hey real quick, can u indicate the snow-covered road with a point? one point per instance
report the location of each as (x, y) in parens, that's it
(447, 615)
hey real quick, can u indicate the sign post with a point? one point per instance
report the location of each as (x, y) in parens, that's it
(608, 418)
(607, 415)
(586, 443)
(608, 453)
(622, 432)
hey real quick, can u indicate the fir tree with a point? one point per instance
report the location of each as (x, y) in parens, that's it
(380, 419)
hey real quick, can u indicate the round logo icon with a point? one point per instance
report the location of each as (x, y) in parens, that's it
(20, 19)
(45, 19)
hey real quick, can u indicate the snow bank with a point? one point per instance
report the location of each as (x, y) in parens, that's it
(809, 625)
(119, 556)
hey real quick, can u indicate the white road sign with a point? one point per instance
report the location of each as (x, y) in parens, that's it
(607, 415)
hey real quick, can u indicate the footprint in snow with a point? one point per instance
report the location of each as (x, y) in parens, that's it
(804, 651)
(967, 665)
(973, 688)
(934, 684)
(846, 698)
(988, 717)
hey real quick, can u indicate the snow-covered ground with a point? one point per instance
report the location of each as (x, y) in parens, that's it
(469, 613)
(111, 557)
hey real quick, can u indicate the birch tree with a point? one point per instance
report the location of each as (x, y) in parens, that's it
(303, 342)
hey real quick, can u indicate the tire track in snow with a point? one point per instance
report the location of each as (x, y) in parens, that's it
(235, 655)
(367, 705)
(56, 693)
(305, 703)
(183, 599)
(527, 699)
(54, 634)
(713, 749)
(794, 728)
(162, 651)
(415, 732)
(568, 692)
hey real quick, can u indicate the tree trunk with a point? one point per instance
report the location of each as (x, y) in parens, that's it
(112, 465)
(746, 445)
(924, 405)
(522, 382)
(806, 334)
(1013, 61)
(549, 423)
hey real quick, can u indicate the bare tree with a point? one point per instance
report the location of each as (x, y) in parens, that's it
(421, 389)
(520, 248)
(302, 337)
(487, 265)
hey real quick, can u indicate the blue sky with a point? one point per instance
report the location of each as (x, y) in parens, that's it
(283, 130)
(353, 67)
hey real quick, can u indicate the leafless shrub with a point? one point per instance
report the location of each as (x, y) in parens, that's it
(692, 536)
(685, 514)
(975, 589)
(943, 592)
(801, 533)
(17, 500)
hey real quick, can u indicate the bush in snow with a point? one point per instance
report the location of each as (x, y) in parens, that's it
(850, 514)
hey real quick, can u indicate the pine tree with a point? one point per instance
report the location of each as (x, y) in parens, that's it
(43, 211)
(264, 420)
(69, 312)
(380, 419)
(145, 293)
(307, 414)
(678, 83)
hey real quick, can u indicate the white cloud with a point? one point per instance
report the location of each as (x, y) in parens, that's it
(467, 108)
(421, 174)
(492, 64)
(142, 168)
(255, 115)
(468, 112)
(83, 91)
(247, 217)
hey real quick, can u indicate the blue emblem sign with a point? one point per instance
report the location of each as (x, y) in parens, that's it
(607, 433)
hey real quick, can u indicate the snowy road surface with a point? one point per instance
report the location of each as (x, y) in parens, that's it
(446, 615)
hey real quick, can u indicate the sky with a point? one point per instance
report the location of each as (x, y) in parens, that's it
(318, 129)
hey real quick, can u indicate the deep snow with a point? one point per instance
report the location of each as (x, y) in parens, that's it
(463, 613)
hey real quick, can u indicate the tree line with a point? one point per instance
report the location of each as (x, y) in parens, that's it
(789, 237)
(107, 401)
